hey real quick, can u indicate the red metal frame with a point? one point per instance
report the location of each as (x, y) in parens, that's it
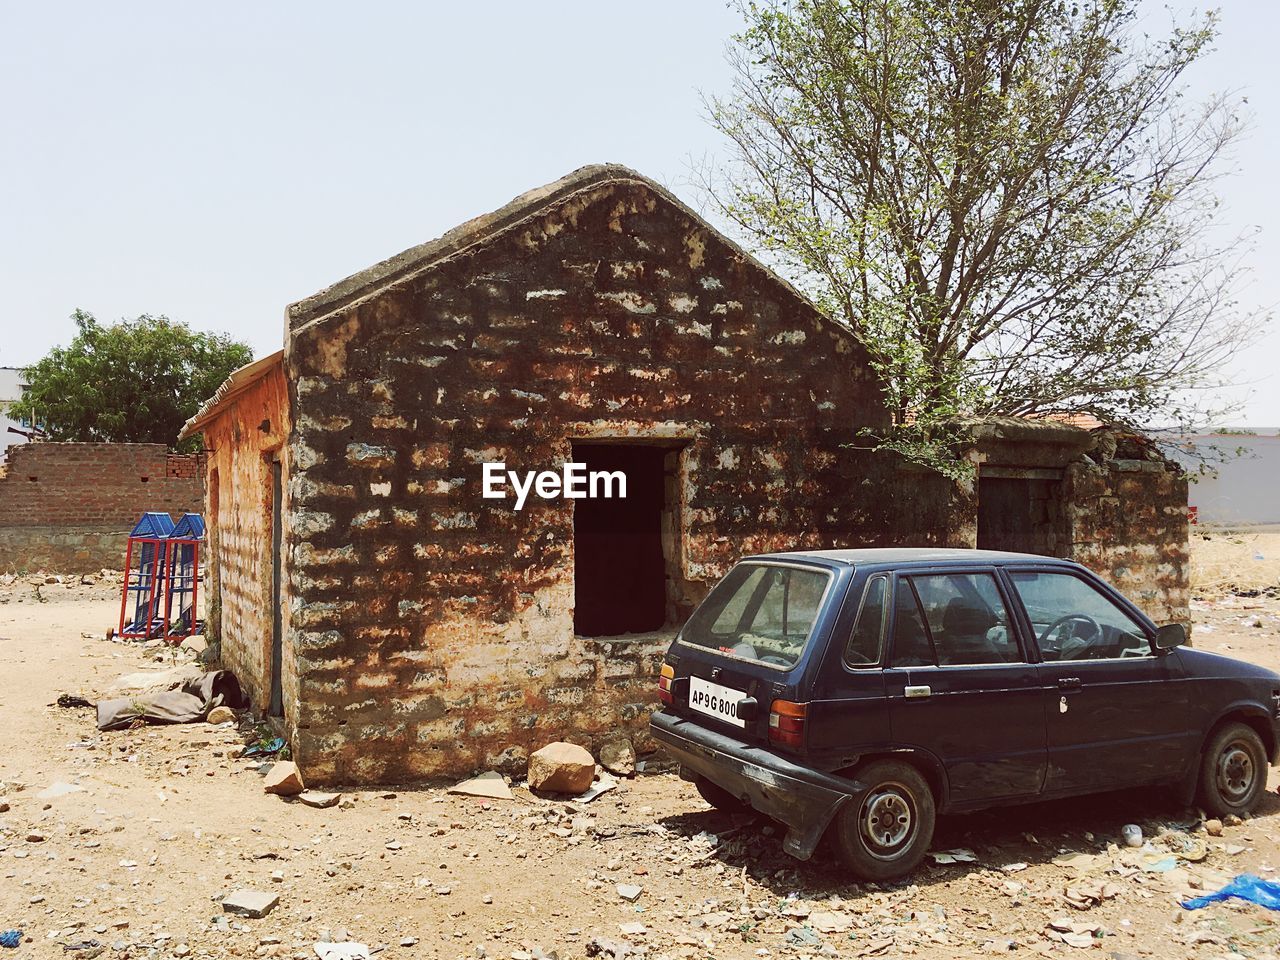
(172, 560)
(133, 583)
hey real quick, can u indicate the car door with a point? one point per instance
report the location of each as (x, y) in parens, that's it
(1116, 711)
(961, 687)
(847, 713)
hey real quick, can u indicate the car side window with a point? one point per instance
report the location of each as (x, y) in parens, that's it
(863, 648)
(966, 619)
(911, 645)
(1073, 620)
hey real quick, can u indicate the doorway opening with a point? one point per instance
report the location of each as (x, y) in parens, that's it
(276, 705)
(1018, 514)
(623, 562)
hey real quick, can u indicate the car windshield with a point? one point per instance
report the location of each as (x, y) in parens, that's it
(760, 612)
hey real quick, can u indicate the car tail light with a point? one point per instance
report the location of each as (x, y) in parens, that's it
(786, 723)
(665, 676)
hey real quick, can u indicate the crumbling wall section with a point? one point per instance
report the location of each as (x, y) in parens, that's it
(69, 506)
(1126, 511)
(243, 441)
(435, 628)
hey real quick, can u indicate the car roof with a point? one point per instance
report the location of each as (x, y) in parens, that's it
(891, 556)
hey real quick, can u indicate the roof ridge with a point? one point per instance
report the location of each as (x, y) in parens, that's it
(487, 226)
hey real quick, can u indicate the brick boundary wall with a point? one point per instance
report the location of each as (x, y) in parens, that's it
(68, 507)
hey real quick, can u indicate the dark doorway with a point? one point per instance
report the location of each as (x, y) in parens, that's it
(276, 707)
(1016, 514)
(619, 569)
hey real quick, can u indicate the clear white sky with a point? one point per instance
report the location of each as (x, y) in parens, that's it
(216, 162)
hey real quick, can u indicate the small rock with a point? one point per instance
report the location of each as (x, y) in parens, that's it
(283, 779)
(196, 645)
(1213, 828)
(315, 798)
(561, 768)
(618, 757)
(512, 762)
(491, 785)
(250, 903)
(36, 837)
(1231, 820)
(221, 714)
(629, 891)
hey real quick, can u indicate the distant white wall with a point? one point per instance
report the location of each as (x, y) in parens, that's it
(1246, 488)
(10, 390)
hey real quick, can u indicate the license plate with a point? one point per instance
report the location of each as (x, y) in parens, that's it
(715, 700)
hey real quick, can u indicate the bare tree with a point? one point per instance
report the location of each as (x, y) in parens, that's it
(1010, 202)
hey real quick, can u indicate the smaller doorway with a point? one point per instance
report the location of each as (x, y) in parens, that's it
(276, 706)
(1018, 514)
(620, 582)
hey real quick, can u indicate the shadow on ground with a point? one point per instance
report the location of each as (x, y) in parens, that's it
(1033, 833)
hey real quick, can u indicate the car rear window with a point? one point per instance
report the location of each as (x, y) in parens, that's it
(760, 612)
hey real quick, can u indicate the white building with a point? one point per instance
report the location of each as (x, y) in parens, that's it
(1245, 489)
(11, 387)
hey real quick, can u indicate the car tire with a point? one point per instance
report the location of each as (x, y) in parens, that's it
(1233, 771)
(884, 831)
(719, 797)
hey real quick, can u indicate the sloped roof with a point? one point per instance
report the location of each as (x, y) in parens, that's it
(488, 227)
(240, 380)
(475, 232)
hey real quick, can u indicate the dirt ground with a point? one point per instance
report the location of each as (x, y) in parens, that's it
(166, 821)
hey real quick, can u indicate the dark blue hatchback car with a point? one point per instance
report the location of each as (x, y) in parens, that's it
(861, 692)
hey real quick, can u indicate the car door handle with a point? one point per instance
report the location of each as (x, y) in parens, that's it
(916, 693)
(1070, 683)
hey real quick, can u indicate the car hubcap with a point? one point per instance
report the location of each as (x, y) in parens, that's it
(887, 822)
(1235, 772)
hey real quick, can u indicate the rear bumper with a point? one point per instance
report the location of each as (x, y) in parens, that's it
(803, 799)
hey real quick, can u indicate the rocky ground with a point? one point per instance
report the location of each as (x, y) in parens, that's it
(125, 845)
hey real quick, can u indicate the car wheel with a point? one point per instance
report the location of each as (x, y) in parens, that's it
(719, 797)
(1233, 771)
(885, 831)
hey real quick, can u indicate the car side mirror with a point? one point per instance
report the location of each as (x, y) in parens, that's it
(1170, 635)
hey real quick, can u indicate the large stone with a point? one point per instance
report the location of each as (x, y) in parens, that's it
(283, 779)
(618, 756)
(561, 768)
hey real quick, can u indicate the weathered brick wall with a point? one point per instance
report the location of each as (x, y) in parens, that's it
(69, 506)
(1126, 512)
(242, 444)
(434, 628)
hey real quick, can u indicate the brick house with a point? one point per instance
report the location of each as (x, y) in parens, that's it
(402, 625)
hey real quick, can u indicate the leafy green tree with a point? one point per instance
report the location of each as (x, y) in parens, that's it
(134, 381)
(1010, 202)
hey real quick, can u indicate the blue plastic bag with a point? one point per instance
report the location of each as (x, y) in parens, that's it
(10, 938)
(1246, 887)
